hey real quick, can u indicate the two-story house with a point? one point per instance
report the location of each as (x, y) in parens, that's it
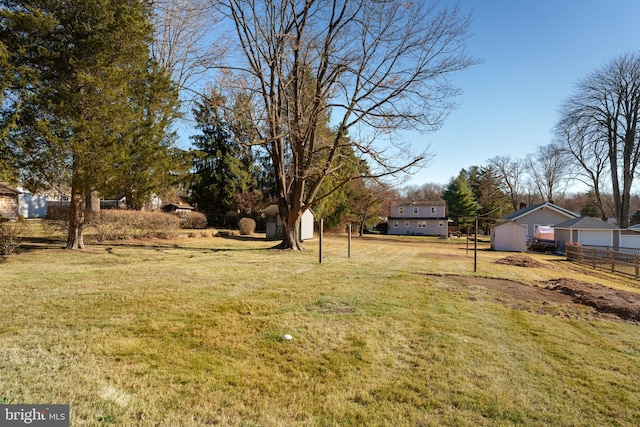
(419, 218)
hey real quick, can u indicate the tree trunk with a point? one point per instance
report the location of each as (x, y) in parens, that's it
(93, 202)
(291, 238)
(290, 228)
(75, 238)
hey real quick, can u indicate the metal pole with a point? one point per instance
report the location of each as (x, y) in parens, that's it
(349, 239)
(320, 243)
(467, 233)
(475, 249)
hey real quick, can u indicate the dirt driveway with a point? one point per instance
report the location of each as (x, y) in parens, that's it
(625, 305)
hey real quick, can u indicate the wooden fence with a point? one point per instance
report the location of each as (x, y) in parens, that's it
(620, 260)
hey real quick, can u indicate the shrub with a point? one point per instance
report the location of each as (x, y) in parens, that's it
(246, 226)
(119, 224)
(58, 211)
(193, 220)
(10, 235)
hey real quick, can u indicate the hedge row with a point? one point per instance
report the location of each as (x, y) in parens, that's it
(120, 224)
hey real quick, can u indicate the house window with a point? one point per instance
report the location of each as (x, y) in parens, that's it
(400, 210)
(396, 224)
(433, 210)
(406, 224)
(422, 224)
(415, 210)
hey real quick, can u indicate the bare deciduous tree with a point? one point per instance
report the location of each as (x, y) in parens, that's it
(425, 192)
(511, 176)
(606, 109)
(373, 67)
(588, 152)
(182, 45)
(549, 171)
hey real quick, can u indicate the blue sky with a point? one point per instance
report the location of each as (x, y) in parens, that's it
(533, 54)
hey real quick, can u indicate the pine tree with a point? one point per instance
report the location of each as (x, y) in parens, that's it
(223, 167)
(82, 78)
(460, 199)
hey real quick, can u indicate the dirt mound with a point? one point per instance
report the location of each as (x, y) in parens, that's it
(625, 305)
(520, 261)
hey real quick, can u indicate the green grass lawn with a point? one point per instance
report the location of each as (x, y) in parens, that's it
(190, 333)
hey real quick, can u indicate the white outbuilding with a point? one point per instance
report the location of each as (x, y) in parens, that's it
(275, 228)
(509, 236)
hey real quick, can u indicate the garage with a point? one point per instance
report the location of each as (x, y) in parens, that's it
(587, 231)
(595, 237)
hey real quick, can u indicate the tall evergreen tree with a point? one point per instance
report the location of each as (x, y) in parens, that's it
(460, 199)
(493, 202)
(223, 167)
(82, 80)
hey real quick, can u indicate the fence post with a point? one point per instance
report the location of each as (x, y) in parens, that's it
(637, 266)
(320, 242)
(593, 255)
(349, 242)
(613, 262)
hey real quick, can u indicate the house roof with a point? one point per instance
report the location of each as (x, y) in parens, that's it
(271, 210)
(547, 205)
(423, 203)
(274, 210)
(587, 223)
(503, 223)
(181, 205)
(8, 190)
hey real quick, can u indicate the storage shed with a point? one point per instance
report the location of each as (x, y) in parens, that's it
(275, 228)
(509, 236)
(8, 201)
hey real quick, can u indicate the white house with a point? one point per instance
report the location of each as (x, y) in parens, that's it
(275, 227)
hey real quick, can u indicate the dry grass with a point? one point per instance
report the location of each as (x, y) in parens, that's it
(190, 333)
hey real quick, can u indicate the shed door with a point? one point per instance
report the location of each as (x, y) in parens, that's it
(596, 238)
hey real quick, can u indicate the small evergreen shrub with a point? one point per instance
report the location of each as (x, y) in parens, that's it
(246, 226)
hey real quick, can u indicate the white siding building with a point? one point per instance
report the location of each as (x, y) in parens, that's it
(419, 219)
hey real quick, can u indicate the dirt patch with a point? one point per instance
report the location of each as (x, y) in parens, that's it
(517, 290)
(520, 261)
(623, 304)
